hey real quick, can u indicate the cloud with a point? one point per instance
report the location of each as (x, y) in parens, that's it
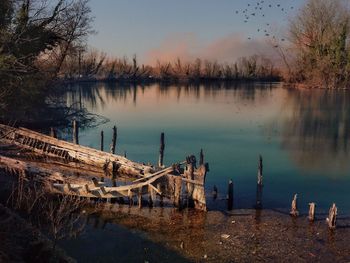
(227, 49)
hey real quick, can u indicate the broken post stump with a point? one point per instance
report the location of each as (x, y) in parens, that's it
(259, 193)
(177, 192)
(75, 132)
(215, 192)
(102, 141)
(53, 133)
(312, 207)
(161, 150)
(230, 195)
(294, 208)
(114, 140)
(139, 197)
(260, 171)
(201, 157)
(332, 217)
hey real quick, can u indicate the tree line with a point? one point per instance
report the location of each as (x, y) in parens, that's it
(94, 65)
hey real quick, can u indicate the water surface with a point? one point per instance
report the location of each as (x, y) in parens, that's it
(301, 134)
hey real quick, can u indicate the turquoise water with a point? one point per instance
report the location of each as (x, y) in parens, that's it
(301, 134)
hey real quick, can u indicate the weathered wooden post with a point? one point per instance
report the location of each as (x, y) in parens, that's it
(189, 174)
(151, 196)
(230, 195)
(215, 192)
(312, 207)
(53, 133)
(177, 194)
(102, 141)
(130, 196)
(201, 157)
(114, 140)
(161, 150)
(260, 171)
(161, 201)
(294, 209)
(332, 217)
(75, 132)
(259, 193)
(139, 197)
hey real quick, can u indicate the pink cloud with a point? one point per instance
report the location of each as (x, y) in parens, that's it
(227, 49)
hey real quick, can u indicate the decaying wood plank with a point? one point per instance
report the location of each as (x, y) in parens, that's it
(77, 152)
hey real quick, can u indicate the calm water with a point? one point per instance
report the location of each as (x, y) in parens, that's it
(301, 134)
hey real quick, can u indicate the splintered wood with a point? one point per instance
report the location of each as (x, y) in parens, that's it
(182, 183)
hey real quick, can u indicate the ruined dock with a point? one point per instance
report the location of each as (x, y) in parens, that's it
(72, 169)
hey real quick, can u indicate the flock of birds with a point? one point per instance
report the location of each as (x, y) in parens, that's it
(257, 10)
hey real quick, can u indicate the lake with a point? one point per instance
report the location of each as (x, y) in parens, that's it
(302, 136)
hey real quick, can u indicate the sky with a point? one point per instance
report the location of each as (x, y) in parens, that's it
(210, 29)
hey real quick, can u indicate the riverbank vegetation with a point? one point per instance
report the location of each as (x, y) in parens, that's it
(94, 65)
(319, 49)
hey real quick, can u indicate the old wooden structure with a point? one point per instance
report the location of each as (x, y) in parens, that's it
(181, 183)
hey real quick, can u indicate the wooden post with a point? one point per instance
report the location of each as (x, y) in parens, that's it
(294, 209)
(178, 189)
(102, 141)
(230, 195)
(159, 187)
(259, 193)
(332, 217)
(114, 140)
(53, 133)
(312, 207)
(131, 201)
(139, 197)
(215, 192)
(75, 132)
(201, 157)
(189, 174)
(161, 150)
(151, 196)
(260, 171)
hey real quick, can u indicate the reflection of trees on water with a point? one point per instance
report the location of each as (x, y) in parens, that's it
(318, 130)
(94, 95)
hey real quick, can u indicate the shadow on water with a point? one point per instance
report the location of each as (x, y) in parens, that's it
(317, 132)
(117, 240)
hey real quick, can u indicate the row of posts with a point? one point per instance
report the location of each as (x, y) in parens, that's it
(75, 136)
(333, 211)
(332, 214)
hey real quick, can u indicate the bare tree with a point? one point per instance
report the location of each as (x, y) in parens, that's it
(319, 35)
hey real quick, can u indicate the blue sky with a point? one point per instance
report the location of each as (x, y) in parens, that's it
(125, 27)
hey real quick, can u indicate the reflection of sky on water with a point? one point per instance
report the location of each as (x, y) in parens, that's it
(301, 134)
